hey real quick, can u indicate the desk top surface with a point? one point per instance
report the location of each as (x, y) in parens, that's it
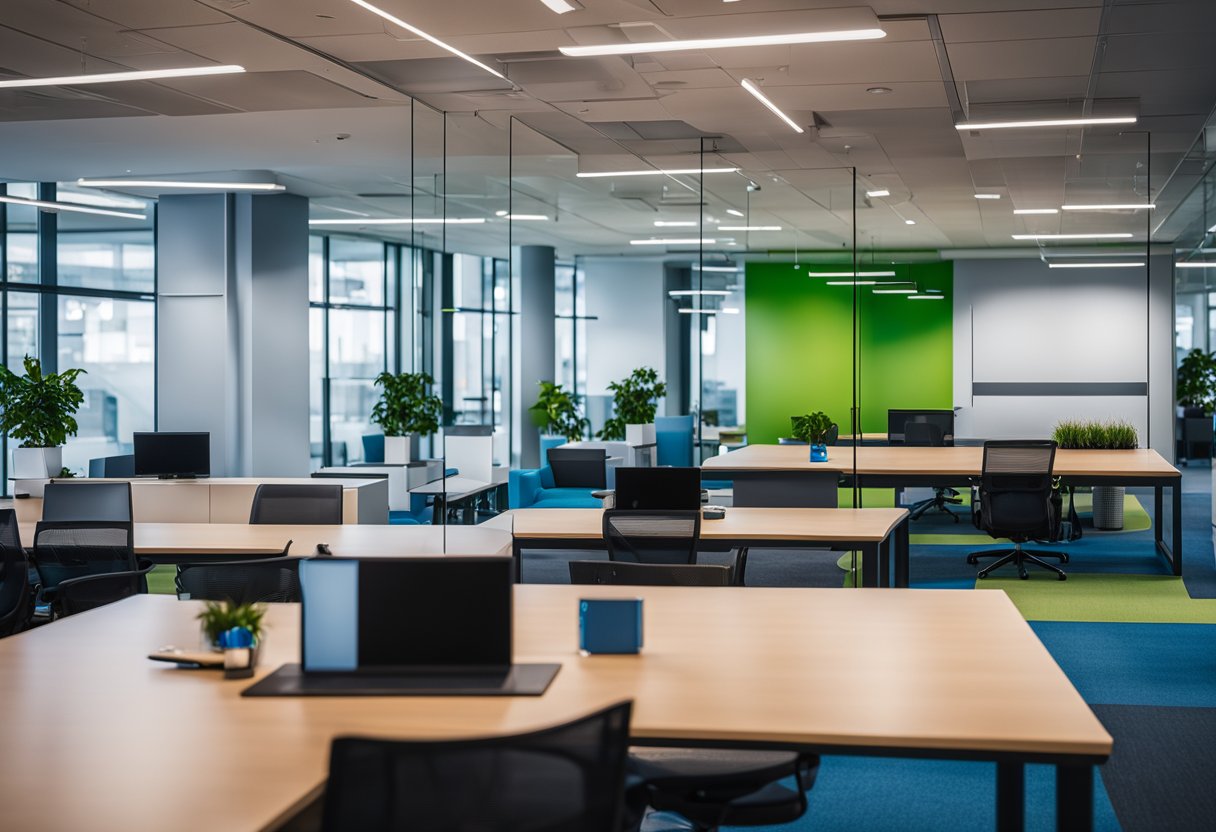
(352, 482)
(350, 540)
(960, 460)
(809, 524)
(146, 745)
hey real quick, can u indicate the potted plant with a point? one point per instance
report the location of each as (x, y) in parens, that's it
(556, 413)
(813, 428)
(407, 409)
(1196, 385)
(219, 617)
(635, 400)
(39, 412)
(1107, 436)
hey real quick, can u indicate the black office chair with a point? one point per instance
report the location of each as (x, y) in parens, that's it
(259, 581)
(638, 536)
(1197, 438)
(1015, 503)
(648, 574)
(930, 435)
(16, 594)
(299, 505)
(92, 591)
(112, 466)
(568, 777)
(68, 550)
(579, 467)
(104, 502)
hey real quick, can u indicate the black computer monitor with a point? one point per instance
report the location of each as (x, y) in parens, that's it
(898, 420)
(173, 455)
(658, 489)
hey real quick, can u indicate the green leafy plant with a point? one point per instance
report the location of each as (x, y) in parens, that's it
(813, 428)
(407, 405)
(220, 616)
(1083, 435)
(556, 412)
(635, 400)
(39, 408)
(65, 473)
(1197, 380)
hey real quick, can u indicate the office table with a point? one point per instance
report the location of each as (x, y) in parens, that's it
(145, 746)
(880, 534)
(450, 491)
(779, 466)
(186, 542)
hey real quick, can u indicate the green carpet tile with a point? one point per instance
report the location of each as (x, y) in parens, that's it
(1105, 597)
(160, 580)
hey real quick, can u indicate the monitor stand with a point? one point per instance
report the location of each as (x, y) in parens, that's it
(520, 680)
(177, 476)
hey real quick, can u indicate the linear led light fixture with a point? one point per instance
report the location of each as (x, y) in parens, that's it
(1111, 207)
(672, 242)
(987, 196)
(851, 283)
(180, 183)
(700, 44)
(600, 174)
(1119, 236)
(729, 310)
(734, 212)
(401, 221)
(1095, 265)
(1194, 264)
(688, 293)
(675, 224)
(749, 227)
(927, 296)
(561, 6)
(73, 207)
(897, 291)
(523, 217)
(391, 18)
(773, 108)
(697, 267)
(878, 193)
(115, 77)
(1043, 122)
(851, 274)
(1024, 211)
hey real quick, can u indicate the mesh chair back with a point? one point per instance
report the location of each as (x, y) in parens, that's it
(241, 582)
(16, 597)
(1015, 487)
(570, 777)
(648, 574)
(10, 532)
(105, 502)
(924, 435)
(297, 505)
(73, 550)
(636, 536)
(83, 594)
(579, 467)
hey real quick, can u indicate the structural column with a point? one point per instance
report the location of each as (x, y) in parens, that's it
(534, 266)
(232, 330)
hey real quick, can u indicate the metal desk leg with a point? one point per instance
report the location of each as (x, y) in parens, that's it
(869, 564)
(884, 561)
(1075, 798)
(1011, 797)
(902, 554)
(1158, 529)
(517, 554)
(1177, 495)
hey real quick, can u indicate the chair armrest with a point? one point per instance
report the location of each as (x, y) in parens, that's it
(522, 487)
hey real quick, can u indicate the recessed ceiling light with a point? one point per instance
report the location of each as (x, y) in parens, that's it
(909, 222)
(672, 242)
(402, 221)
(1046, 122)
(878, 193)
(1036, 210)
(179, 184)
(46, 205)
(700, 44)
(759, 96)
(684, 293)
(675, 224)
(561, 6)
(851, 274)
(599, 174)
(115, 77)
(734, 213)
(878, 90)
(749, 227)
(1111, 207)
(1094, 265)
(987, 196)
(444, 46)
(1120, 236)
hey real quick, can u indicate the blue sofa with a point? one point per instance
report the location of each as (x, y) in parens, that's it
(534, 488)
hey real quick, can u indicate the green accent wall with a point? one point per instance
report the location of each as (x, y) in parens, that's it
(800, 346)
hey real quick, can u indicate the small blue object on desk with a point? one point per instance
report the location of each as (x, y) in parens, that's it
(610, 625)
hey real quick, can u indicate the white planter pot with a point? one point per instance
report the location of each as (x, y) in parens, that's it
(37, 463)
(1108, 507)
(398, 450)
(640, 434)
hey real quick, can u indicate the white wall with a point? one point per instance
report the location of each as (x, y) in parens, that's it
(626, 298)
(1016, 321)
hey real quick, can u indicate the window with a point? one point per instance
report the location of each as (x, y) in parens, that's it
(99, 251)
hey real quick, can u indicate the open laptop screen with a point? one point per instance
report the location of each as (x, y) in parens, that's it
(406, 615)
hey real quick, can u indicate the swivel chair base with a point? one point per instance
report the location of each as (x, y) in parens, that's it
(1019, 557)
(941, 501)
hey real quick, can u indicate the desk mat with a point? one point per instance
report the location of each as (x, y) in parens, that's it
(289, 680)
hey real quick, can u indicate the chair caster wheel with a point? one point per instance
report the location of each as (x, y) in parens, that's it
(972, 561)
(1025, 576)
(1063, 577)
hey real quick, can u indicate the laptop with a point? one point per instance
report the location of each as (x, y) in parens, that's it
(658, 489)
(438, 626)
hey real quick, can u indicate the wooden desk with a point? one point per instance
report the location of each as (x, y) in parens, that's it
(902, 466)
(178, 542)
(925, 674)
(880, 534)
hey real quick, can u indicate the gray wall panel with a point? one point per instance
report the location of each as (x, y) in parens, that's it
(535, 267)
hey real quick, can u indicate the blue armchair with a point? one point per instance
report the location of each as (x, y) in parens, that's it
(534, 488)
(674, 437)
